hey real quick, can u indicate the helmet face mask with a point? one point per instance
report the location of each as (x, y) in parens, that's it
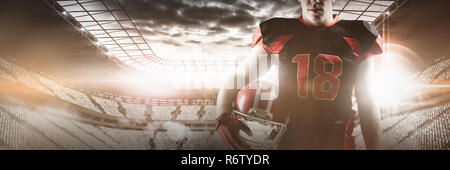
(266, 133)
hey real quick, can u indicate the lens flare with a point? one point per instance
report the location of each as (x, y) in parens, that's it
(392, 78)
(392, 86)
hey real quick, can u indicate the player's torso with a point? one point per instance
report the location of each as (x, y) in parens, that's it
(316, 75)
(316, 67)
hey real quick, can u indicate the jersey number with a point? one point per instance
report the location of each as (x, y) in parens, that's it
(326, 84)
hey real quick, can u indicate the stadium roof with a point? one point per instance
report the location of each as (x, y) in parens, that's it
(110, 26)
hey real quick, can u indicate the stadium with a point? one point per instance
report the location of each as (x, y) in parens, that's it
(97, 74)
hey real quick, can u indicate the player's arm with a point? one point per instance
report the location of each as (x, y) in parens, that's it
(227, 96)
(368, 111)
(228, 127)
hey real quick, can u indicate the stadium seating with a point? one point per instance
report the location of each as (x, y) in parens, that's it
(22, 127)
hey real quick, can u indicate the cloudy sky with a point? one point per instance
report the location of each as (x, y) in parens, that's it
(204, 28)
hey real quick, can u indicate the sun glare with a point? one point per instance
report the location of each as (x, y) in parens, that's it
(392, 79)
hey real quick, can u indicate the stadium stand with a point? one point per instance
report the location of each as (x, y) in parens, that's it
(81, 119)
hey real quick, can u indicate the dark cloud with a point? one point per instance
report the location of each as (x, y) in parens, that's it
(160, 12)
(243, 46)
(230, 2)
(176, 35)
(205, 14)
(169, 19)
(169, 42)
(219, 42)
(238, 19)
(194, 42)
(198, 14)
(234, 39)
(248, 29)
(230, 40)
(278, 4)
(245, 6)
(217, 29)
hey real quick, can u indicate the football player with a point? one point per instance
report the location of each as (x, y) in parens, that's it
(321, 60)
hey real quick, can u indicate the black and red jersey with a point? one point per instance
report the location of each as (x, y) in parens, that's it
(317, 67)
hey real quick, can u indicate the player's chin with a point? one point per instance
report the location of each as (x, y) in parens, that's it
(317, 14)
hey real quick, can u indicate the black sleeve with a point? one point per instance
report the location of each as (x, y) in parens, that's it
(272, 28)
(369, 38)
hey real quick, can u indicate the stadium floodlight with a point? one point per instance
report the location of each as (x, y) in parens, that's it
(83, 29)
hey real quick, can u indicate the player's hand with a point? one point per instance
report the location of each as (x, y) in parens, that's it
(228, 128)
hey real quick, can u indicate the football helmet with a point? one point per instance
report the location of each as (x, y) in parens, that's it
(254, 106)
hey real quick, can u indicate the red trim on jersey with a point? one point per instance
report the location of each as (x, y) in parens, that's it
(258, 40)
(356, 47)
(349, 139)
(376, 48)
(257, 37)
(335, 20)
(279, 43)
